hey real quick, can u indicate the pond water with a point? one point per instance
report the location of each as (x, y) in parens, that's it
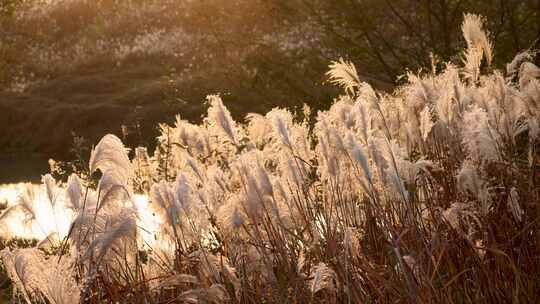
(56, 219)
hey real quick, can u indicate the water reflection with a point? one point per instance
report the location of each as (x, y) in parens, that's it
(56, 220)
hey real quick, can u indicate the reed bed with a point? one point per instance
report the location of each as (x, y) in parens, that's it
(429, 194)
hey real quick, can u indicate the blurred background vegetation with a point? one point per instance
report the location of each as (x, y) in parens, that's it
(87, 67)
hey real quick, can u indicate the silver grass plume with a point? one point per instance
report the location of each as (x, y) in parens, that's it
(258, 128)
(478, 137)
(182, 192)
(445, 104)
(512, 68)
(192, 137)
(469, 180)
(478, 45)
(368, 94)
(257, 185)
(527, 72)
(362, 119)
(476, 35)
(215, 294)
(82, 224)
(60, 286)
(110, 154)
(293, 172)
(344, 74)
(459, 214)
(144, 168)
(336, 140)
(24, 203)
(23, 267)
(472, 60)
(426, 124)
(397, 183)
(219, 116)
(165, 204)
(421, 165)
(330, 146)
(31, 272)
(418, 93)
(49, 241)
(237, 220)
(254, 199)
(329, 159)
(74, 192)
(115, 237)
(514, 206)
(111, 187)
(263, 179)
(342, 112)
(395, 157)
(218, 176)
(194, 165)
(230, 216)
(51, 188)
(216, 269)
(357, 153)
(281, 123)
(378, 157)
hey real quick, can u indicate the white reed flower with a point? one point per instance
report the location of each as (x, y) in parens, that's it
(514, 66)
(74, 192)
(469, 180)
(281, 123)
(165, 203)
(116, 239)
(51, 188)
(219, 116)
(110, 154)
(259, 128)
(343, 73)
(476, 36)
(513, 204)
(182, 192)
(362, 116)
(357, 153)
(527, 72)
(479, 138)
(426, 124)
(111, 187)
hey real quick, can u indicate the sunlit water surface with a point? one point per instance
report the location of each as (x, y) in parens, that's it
(57, 220)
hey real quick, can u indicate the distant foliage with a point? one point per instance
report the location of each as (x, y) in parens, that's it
(429, 194)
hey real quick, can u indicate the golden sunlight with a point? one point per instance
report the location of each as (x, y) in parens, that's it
(56, 220)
